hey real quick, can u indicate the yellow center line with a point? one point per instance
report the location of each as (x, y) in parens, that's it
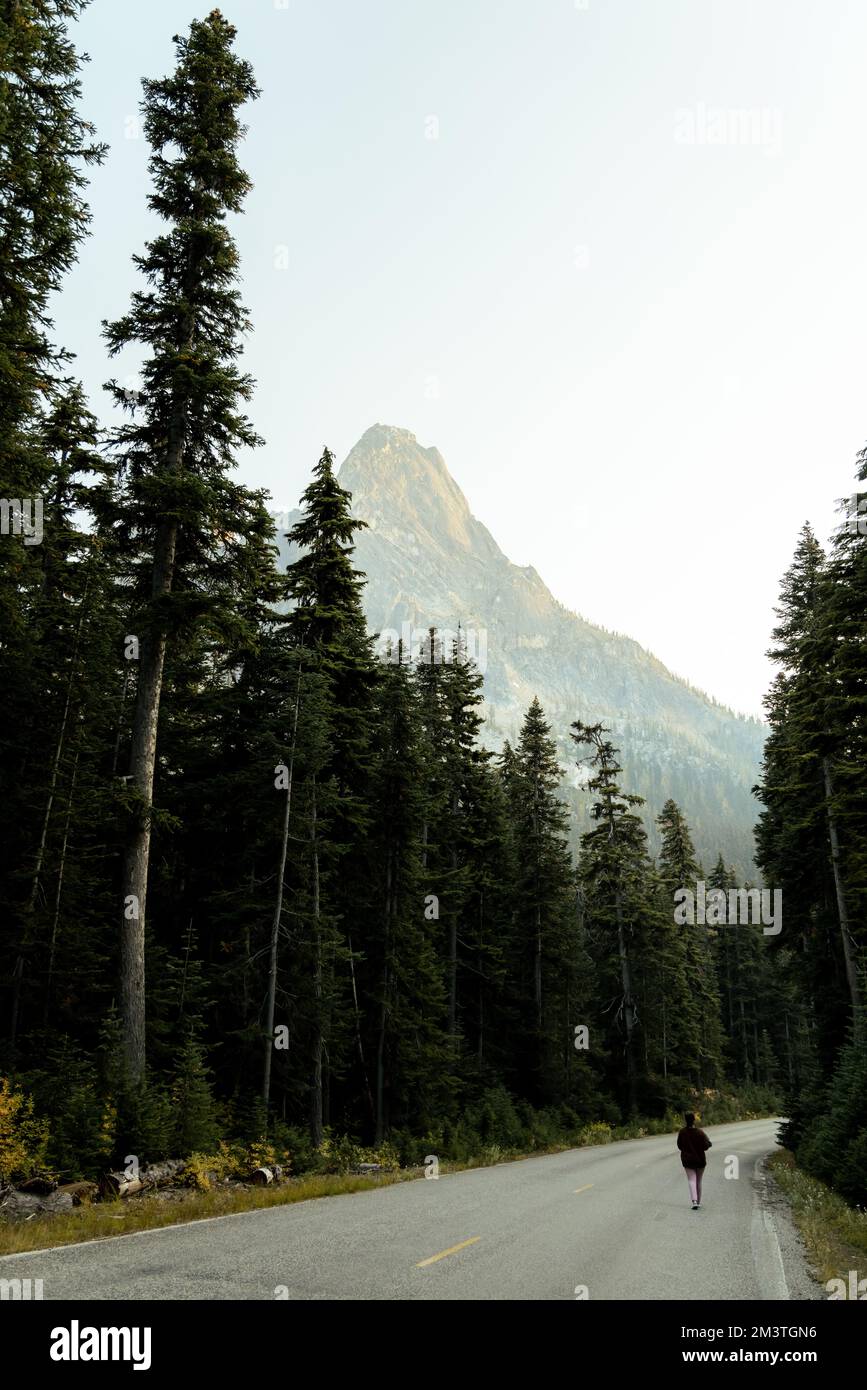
(584, 1189)
(432, 1259)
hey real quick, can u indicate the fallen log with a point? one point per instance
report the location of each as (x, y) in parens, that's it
(157, 1173)
(41, 1185)
(154, 1175)
(263, 1177)
(80, 1191)
(119, 1185)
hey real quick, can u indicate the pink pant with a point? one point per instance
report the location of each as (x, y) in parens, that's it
(693, 1177)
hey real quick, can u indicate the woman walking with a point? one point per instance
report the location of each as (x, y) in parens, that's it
(692, 1143)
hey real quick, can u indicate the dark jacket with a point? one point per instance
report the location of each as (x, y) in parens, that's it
(692, 1143)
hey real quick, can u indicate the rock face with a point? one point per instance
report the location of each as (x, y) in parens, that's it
(430, 562)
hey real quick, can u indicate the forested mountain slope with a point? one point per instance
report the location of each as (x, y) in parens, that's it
(430, 562)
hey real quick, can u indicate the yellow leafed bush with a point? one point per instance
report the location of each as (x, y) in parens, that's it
(23, 1138)
(597, 1133)
(232, 1161)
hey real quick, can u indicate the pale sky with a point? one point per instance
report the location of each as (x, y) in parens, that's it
(622, 289)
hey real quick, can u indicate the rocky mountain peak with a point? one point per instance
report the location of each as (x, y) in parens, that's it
(429, 562)
(397, 484)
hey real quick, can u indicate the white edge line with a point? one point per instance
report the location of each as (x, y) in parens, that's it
(175, 1226)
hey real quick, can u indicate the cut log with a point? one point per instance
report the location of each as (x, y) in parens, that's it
(158, 1173)
(40, 1185)
(119, 1185)
(122, 1185)
(263, 1177)
(80, 1191)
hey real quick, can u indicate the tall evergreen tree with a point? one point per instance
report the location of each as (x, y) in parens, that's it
(807, 788)
(841, 642)
(45, 149)
(614, 876)
(327, 623)
(183, 519)
(697, 1013)
(407, 1044)
(550, 967)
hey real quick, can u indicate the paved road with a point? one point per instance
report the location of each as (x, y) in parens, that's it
(615, 1219)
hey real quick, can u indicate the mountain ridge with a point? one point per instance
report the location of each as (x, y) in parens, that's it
(429, 561)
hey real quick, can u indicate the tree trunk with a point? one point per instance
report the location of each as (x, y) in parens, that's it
(628, 1006)
(137, 856)
(143, 750)
(59, 890)
(842, 909)
(383, 1012)
(278, 912)
(118, 735)
(537, 971)
(154, 1175)
(453, 946)
(789, 1057)
(18, 972)
(744, 1043)
(360, 1045)
(316, 1098)
(481, 1038)
(58, 752)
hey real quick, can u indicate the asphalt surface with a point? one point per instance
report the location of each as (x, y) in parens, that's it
(610, 1222)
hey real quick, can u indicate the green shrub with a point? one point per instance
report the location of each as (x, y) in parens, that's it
(596, 1133)
(835, 1144)
(67, 1089)
(196, 1125)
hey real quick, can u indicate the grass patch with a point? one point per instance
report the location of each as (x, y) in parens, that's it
(835, 1234)
(147, 1213)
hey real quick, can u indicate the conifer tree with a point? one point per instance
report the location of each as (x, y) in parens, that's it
(679, 985)
(807, 788)
(614, 874)
(56, 693)
(547, 959)
(183, 520)
(46, 148)
(698, 1011)
(841, 631)
(401, 975)
(449, 687)
(197, 1128)
(327, 620)
(327, 623)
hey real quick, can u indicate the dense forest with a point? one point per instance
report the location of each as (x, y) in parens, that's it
(261, 885)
